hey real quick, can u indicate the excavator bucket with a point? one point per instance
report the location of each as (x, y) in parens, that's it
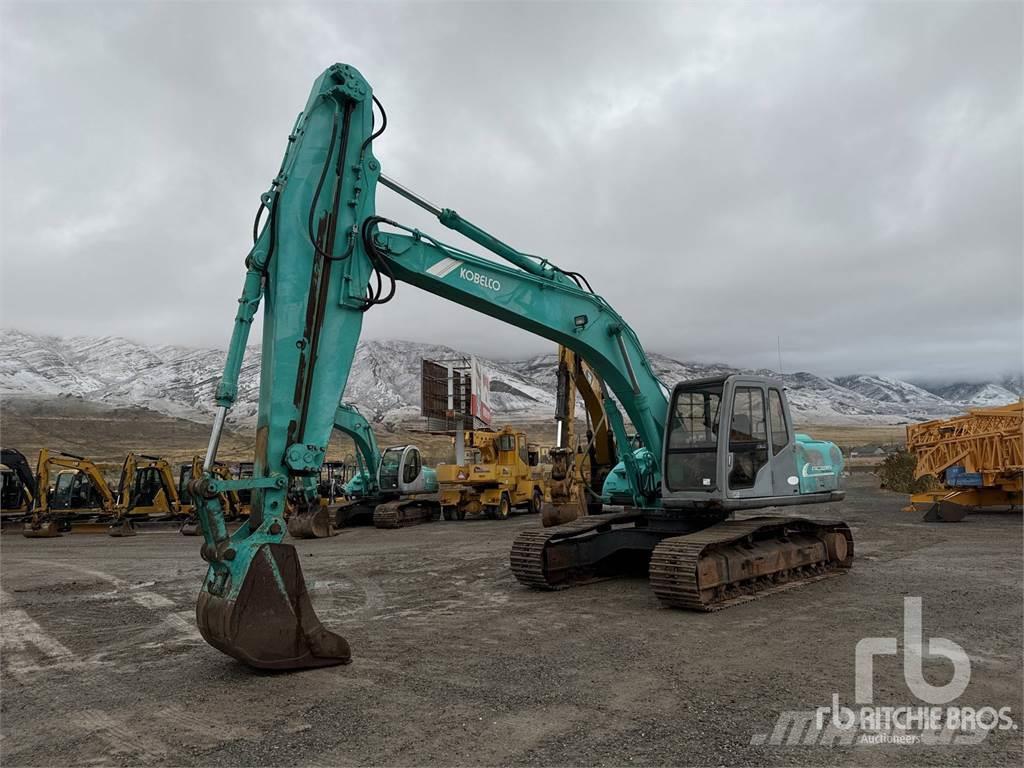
(314, 523)
(945, 512)
(270, 623)
(559, 514)
(47, 530)
(190, 527)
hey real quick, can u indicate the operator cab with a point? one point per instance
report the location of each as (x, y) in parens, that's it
(74, 490)
(400, 468)
(148, 484)
(730, 444)
(13, 493)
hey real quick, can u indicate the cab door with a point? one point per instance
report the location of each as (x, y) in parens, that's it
(782, 444)
(748, 452)
(411, 471)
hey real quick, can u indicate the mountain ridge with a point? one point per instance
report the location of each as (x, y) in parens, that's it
(384, 382)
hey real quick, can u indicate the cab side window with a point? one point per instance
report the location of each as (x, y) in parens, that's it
(412, 467)
(748, 437)
(780, 430)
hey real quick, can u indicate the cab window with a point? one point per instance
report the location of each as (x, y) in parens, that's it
(748, 437)
(780, 430)
(412, 467)
(690, 461)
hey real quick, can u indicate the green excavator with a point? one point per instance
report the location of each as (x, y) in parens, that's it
(322, 258)
(391, 489)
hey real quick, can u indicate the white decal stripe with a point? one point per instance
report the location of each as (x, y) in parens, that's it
(444, 266)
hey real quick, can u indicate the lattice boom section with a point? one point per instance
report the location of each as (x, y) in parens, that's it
(989, 441)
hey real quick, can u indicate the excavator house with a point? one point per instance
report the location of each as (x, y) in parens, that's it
(323, 257)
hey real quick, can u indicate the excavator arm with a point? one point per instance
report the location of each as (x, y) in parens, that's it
(578, 472)
(351, 422)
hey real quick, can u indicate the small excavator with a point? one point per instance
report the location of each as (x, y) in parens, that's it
(80, 493)
(146, 492)
(392, 489)
(323, 257)
(578, 472)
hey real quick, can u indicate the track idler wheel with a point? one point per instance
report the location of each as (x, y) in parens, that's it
(271, 624)
(310, 524)
(46, 530)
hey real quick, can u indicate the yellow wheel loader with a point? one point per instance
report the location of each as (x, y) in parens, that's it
(507, 477)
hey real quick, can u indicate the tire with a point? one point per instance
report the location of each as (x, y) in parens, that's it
(448, 513)
(536, 501)
(504, 510)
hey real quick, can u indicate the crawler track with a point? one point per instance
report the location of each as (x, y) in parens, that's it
(529, 555)
(403, 513)
(741, 560)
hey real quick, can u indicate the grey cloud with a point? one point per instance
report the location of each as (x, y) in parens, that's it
(846, 177)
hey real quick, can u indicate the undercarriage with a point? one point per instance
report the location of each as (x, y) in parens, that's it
(698, 562)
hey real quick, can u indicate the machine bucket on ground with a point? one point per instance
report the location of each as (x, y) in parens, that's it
(271, 623)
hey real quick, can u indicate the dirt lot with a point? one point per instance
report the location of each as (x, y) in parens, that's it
(456, 664)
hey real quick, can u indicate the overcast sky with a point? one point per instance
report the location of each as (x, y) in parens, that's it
(847, 177)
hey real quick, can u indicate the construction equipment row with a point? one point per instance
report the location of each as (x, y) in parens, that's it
(69, 492)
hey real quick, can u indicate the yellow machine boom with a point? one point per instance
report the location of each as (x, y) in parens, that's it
(978, 458)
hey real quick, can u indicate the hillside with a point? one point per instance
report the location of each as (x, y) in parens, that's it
(179, 381)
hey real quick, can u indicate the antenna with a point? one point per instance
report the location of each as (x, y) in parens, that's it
(778, 341)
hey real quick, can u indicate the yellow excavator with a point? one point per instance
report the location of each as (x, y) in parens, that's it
(80, 493)
(145, 492)
(578, 470)
(505, 478)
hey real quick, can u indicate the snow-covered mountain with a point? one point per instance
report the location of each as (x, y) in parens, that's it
(385, 382)
(982, 394)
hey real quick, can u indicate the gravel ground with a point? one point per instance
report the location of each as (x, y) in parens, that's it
(456, 664)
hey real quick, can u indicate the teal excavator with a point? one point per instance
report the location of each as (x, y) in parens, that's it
(322, 258)
(391, 489)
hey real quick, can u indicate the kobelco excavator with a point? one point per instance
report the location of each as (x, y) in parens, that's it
(323, 257)
(392, 489)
